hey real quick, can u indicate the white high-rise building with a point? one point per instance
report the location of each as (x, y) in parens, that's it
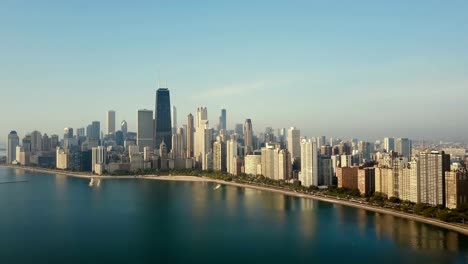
(145, 129)
(294, 142)
(110, 122)
(268, 161)
(309, 163)
(414, 181)
(13, 142)
(201, 145)
(284, 165)
(231, 154)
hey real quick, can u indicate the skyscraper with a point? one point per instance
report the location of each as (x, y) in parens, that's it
(46, 146)
(13, 142)
(201, 146)
(145, 129)
(110, 122)
(309, 163)
(190, 135)
(124, 128)
(222, 120)
(389, 144)
(294, 142)
(162, 115)
(36, 141)
(80, 132)
(178, 144)
(403, 147)
(98, 156)
(174, 120)
(68, 132)
(248, 137)
(238, 129)
(95, 130)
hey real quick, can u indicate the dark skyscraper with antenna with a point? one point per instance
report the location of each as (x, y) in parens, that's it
(162, 124)
(222, 120)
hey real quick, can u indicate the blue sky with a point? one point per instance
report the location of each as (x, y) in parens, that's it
(363, 69)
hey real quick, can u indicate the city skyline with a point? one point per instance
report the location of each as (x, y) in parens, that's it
(389, 79)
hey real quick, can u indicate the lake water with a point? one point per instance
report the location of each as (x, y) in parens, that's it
(59, 219)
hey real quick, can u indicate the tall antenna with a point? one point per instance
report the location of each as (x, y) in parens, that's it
(166, 84)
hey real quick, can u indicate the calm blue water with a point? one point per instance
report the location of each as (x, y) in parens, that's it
(58, 219)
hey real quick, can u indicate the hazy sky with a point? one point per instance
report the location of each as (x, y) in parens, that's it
(338, 68)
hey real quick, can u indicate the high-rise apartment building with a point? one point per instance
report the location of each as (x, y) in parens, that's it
(294, 142)
(13, 142)
(269, 156)
(309, 163)
(253, 164)
(163, 127)
(231, 154)
(61, 159)
(219, 155)
(433, 166)
(98, 156)
(110, 122)
(325, 170)
(284, 165)
(145, 129)
(414, 181)
(456, 188)
(366, 181)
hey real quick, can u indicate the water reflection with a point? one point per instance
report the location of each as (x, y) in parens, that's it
(415, 235)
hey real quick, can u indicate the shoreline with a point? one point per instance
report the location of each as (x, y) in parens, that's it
(453, 227)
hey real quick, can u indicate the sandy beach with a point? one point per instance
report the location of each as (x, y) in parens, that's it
(455, 227)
